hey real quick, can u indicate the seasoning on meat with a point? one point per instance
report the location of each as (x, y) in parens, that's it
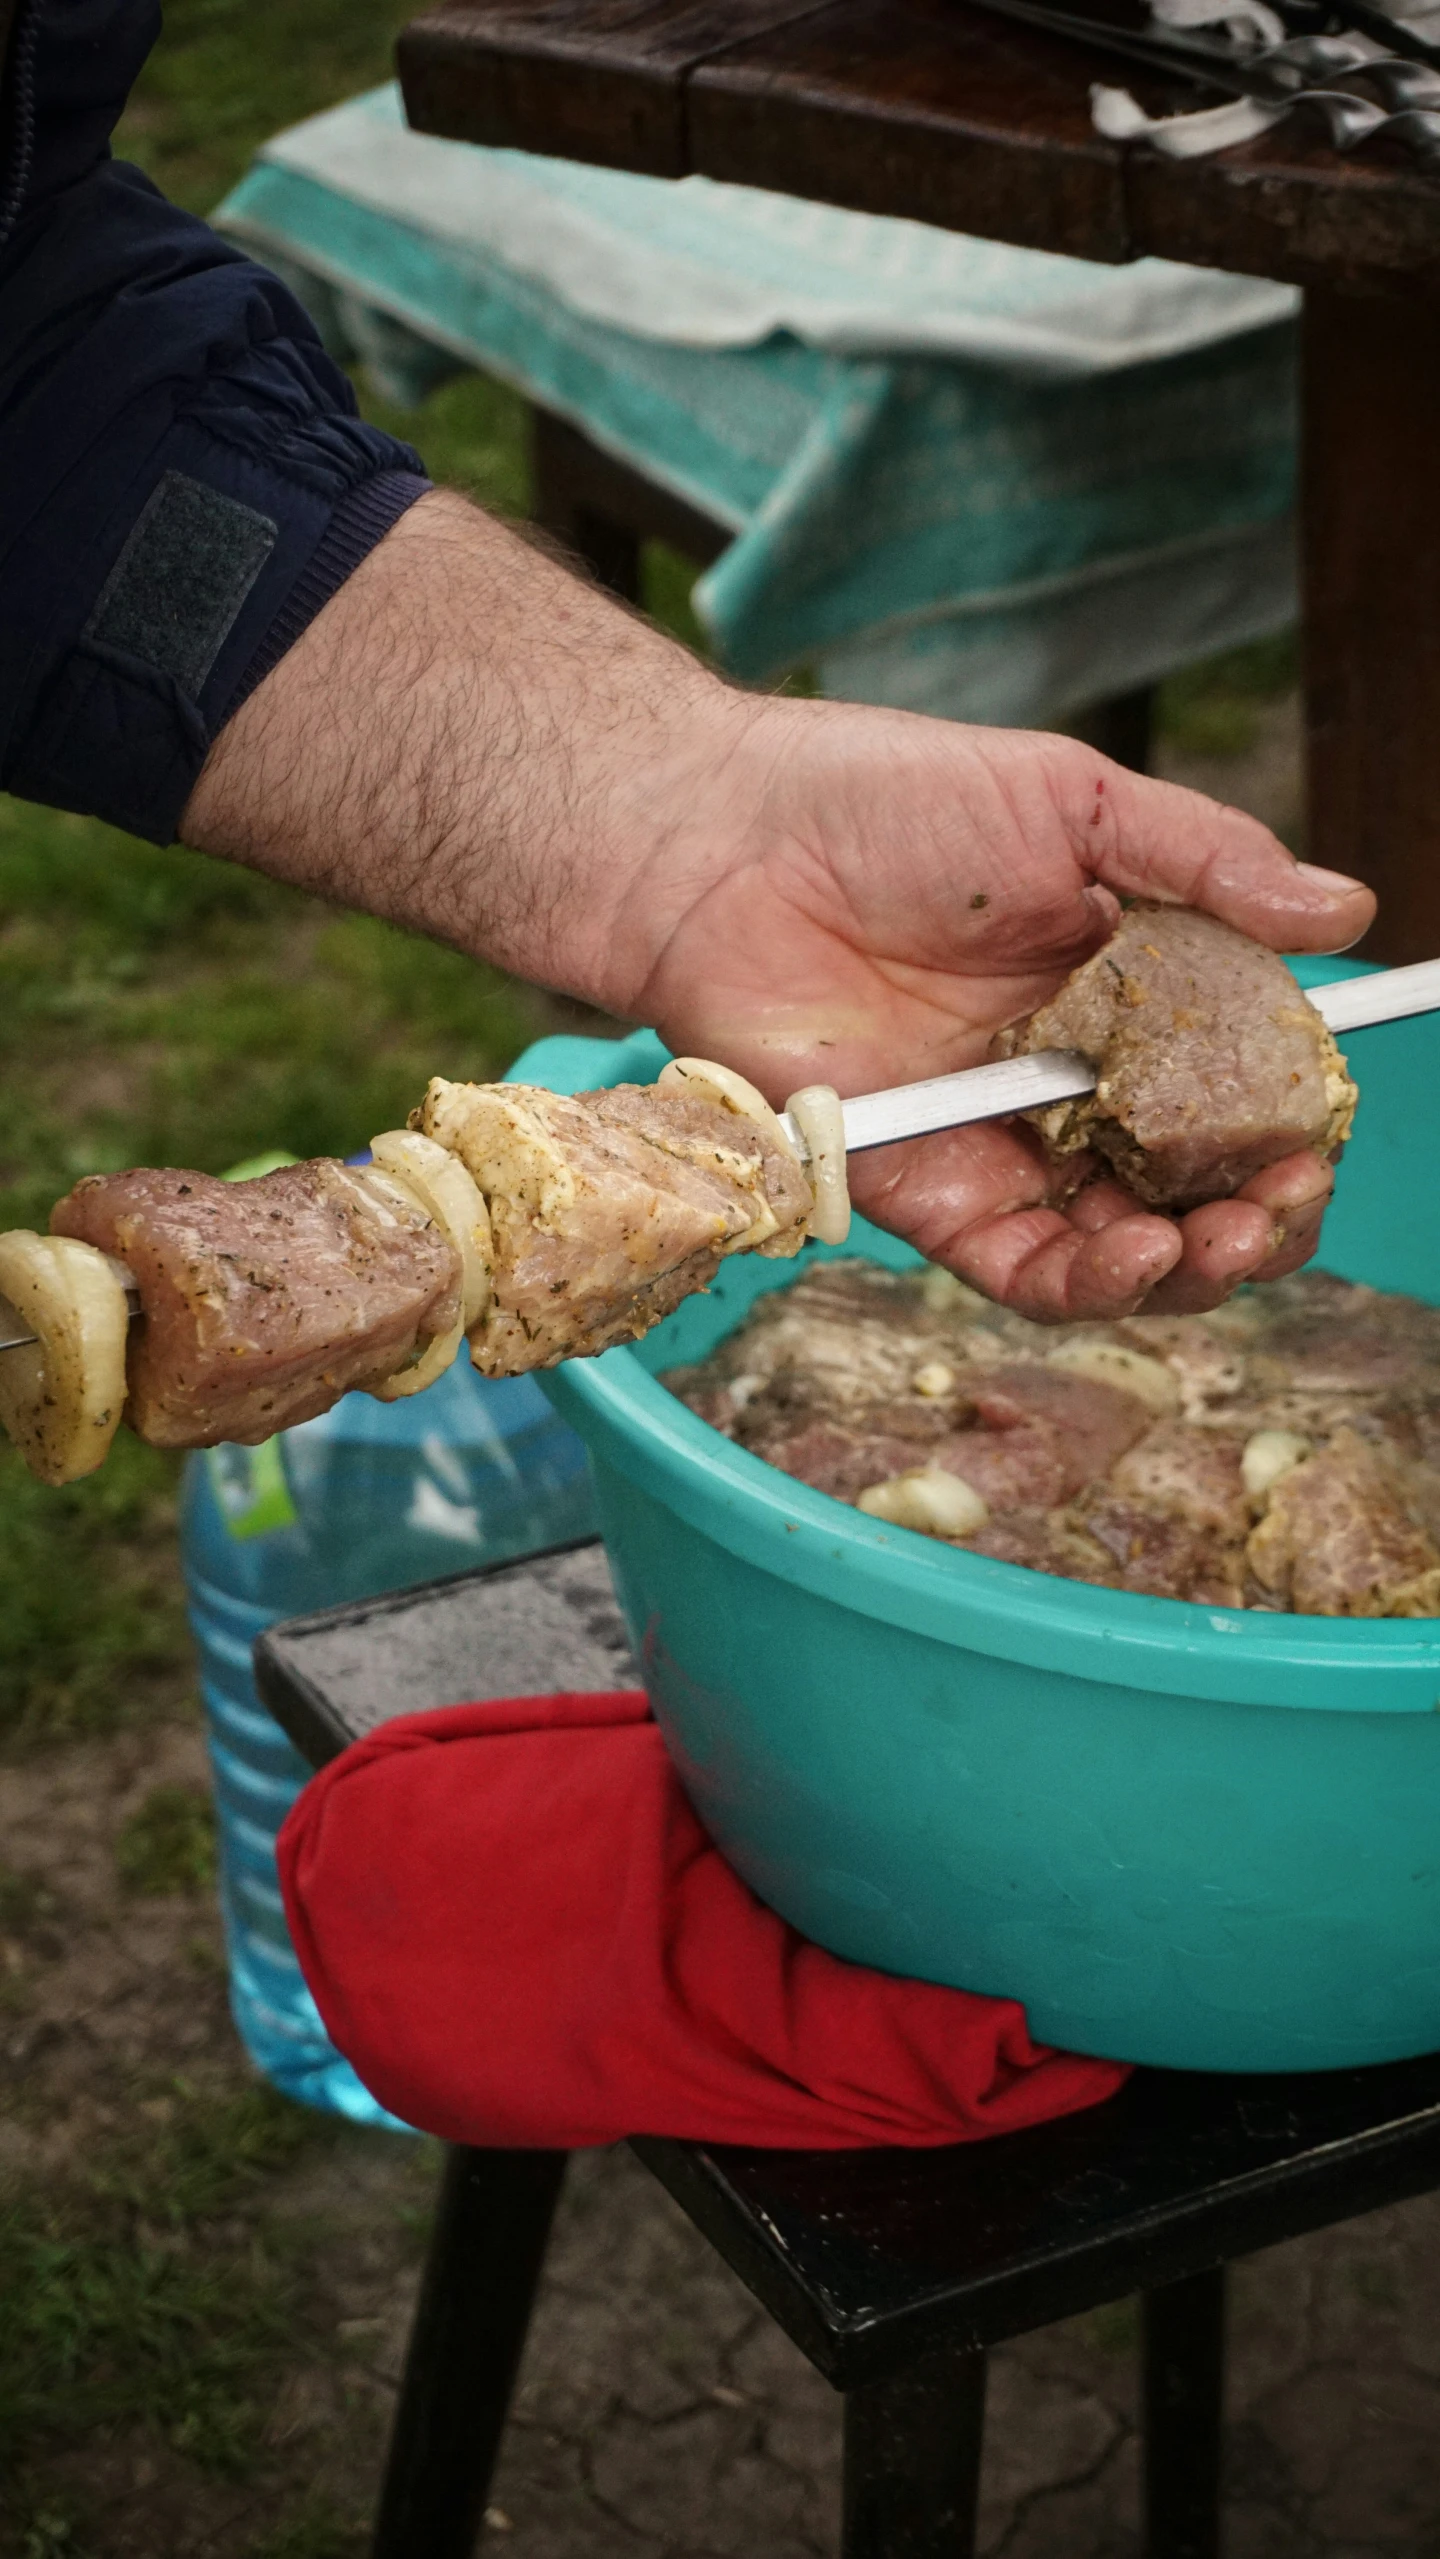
(1280, 1453)
(1210, 1060)
(607, 1209)
(1339, 1538)
(263, 1300)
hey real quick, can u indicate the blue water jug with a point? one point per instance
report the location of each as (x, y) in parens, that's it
(369, 1497)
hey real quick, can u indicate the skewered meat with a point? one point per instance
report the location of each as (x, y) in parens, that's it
(1210, 1061)
(264, 1300)
(1161, 1455)
(542, 1228)
(608, 1209)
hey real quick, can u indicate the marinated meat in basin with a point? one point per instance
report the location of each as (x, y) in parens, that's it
(1282, 1453)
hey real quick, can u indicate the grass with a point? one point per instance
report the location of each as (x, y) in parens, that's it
(143, 2297)
(1216, 708)
(168, 1845)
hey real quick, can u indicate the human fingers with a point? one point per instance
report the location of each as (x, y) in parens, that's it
(1269, 1228)
(980, 1201)
(1146, 838)
(1292, 1196)
(1040, 1264)
(1296, 1194)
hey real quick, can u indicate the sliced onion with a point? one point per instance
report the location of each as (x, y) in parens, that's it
(441, 1186)
(710, 1083)
(1115, 1364)
(1268, 1456)
(816, 1113)
(929, 1499)
(438, 1354)
(62, 1395)
(434, 1355)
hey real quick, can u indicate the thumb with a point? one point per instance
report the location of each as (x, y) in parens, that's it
(1144, 838)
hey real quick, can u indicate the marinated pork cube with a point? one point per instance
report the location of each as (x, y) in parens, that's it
(608, 1209)
(1020, 1435)
(1087, 1424)
(1339, 1538)
(1210, 1061)
(1196, 1474)
(848, 1455)
(264, 1301)
(1155, 1549)
(1045, 1541)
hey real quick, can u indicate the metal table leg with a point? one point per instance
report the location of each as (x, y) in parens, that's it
(1182, 2399)
(476, 2295)
(912, 2460)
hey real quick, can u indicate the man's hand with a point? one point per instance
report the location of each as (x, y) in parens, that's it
(472, 742)
(905, 887)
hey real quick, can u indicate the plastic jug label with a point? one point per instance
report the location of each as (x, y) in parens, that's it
(251, 1489)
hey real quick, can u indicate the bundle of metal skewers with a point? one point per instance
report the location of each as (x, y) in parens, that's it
(1346, 66)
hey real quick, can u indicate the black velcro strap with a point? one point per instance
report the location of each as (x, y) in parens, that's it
(188, 565)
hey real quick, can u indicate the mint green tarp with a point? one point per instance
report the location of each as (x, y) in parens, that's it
(961, 477)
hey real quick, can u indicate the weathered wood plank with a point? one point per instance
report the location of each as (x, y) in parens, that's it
(926, 108)
(1288, 206)
(599, 80)
(1371, 411)
(929, 110)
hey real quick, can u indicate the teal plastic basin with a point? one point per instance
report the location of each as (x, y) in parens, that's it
(1180, 1835)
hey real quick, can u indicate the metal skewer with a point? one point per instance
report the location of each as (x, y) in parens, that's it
(13, 1335)
(1058, 1075)
(995, 1092)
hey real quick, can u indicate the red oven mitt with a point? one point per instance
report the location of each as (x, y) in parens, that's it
(517, 1931)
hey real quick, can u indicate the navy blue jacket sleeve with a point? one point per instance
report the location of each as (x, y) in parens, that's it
(184, 479)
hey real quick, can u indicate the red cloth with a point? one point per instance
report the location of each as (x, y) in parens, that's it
(517, 1931)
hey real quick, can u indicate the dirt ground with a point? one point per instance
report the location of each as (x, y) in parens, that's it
(205, 2293)
(660, 2416)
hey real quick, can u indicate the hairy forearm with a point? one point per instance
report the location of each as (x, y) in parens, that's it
(473, 742)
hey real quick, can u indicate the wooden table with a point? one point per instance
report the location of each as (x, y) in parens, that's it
(933, 110)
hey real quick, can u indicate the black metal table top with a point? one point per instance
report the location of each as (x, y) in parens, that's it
(866, 2256)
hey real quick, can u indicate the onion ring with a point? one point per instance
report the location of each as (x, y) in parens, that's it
(708, 1082)
(440, 1184)
(816, 1112)
(62, 1395)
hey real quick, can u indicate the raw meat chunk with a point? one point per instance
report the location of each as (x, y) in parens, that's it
(265, 1300)
(608, 1209)
(1157, 1550)
(1211, 1063)
(842, 1458)
(1194, 1474)
(1338, 1538)
(1046, 1542)
(1088, 1425)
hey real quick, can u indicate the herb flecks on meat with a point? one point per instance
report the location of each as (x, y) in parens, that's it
(1292, 1465)
(265, 1300)
(1210, 1060)
(607, 1209)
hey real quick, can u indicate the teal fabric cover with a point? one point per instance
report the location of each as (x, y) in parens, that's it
(953, 482)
